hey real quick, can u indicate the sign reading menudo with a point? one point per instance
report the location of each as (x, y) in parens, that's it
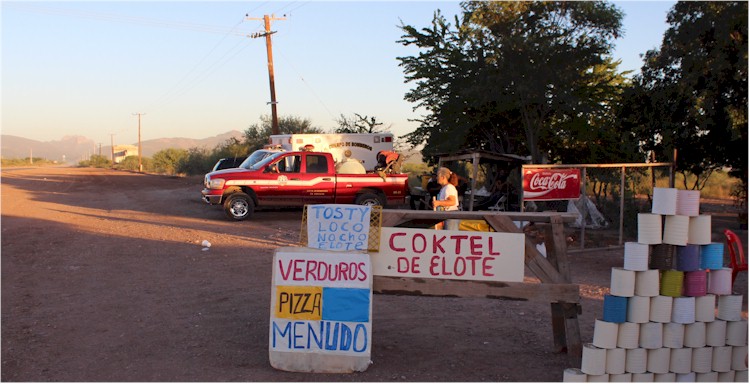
(551, 184)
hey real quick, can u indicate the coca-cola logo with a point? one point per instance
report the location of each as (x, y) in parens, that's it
(543, 183)
(548, 182)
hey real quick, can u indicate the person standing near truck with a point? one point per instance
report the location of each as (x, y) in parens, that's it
(447, 199)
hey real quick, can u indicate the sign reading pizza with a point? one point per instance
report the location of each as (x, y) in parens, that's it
(551, 184)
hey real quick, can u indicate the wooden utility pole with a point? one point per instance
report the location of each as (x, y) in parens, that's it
(269, 52)
(140, 164)
(112, 147)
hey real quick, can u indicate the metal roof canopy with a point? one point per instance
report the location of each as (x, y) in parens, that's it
(478, 157)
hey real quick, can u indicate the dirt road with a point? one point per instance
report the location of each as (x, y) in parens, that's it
(104, 279)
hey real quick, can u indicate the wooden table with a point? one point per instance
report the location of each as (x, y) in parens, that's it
(552, 271)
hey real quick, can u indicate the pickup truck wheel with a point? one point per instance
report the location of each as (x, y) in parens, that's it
(370, 199)
(239, 206)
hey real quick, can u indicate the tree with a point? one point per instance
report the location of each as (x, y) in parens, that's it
(198, 161)
(231, 147)
(257, 135)
(691, 94)
(510, 75)
(130, 163)
(358, 124)
(168, 160)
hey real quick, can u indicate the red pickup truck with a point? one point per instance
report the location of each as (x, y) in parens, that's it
(296, 179)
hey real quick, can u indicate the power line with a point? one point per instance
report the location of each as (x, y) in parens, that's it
(320, 100)
(172, 93)
(103, 16)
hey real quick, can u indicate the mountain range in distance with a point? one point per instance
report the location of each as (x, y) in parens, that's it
(73, 149)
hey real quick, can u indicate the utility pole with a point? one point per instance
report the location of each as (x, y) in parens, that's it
(140, 164)
(269, 52)
(112, 147)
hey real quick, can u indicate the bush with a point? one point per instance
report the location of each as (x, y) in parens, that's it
(197, 162)
(130, 163)
(168, 161)
(96, 161)
(25, 162)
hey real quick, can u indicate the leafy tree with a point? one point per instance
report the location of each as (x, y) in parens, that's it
(168, 160)
(198, 161)
(232, 147)
(691, 94)
(130, 163)
(511, 76)
(358, 124)
(256, 136)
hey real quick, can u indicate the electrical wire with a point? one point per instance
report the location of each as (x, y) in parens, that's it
(289, 62)
(172, 93)
(102, 16)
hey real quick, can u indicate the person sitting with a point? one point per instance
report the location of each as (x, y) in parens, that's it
(350, 165)
(388, 162)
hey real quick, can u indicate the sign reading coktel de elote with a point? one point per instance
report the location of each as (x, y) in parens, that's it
(461, 255)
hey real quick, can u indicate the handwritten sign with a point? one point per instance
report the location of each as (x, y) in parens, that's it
(321, 305)
(459, 255)
(338, 227)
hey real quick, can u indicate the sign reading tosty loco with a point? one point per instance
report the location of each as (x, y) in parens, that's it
(460, 255)
(320, 311)
(338, 227)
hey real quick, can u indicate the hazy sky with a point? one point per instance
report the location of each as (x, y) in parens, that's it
(84, 68)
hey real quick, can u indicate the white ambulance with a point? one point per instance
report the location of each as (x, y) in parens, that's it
(364, 146)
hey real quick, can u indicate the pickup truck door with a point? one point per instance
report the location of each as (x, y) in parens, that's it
(319, 179)
(283, 183)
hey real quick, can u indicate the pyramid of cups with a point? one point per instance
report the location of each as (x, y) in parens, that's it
(670, 315)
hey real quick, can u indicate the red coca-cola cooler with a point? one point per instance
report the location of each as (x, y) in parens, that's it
(551, 184)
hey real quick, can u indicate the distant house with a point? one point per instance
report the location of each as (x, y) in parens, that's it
(120, 152)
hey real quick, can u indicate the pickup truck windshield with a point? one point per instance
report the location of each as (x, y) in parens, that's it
(256, 157)
(271, 156)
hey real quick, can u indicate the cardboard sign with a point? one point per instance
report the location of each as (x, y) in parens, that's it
(338, 227)
(551, 184)
(321, 311)
(458, 255)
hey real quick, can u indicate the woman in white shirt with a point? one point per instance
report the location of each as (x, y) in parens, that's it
(448, 196)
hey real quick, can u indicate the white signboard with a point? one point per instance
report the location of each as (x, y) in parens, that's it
(321, 311)
(459, 255)
(338, 227)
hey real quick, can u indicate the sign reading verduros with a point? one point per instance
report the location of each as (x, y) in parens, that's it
(321, 305)
(460, 255)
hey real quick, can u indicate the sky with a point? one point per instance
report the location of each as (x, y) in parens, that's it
(192, 69)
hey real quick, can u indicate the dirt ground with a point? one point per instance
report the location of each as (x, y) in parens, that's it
(104, 279)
